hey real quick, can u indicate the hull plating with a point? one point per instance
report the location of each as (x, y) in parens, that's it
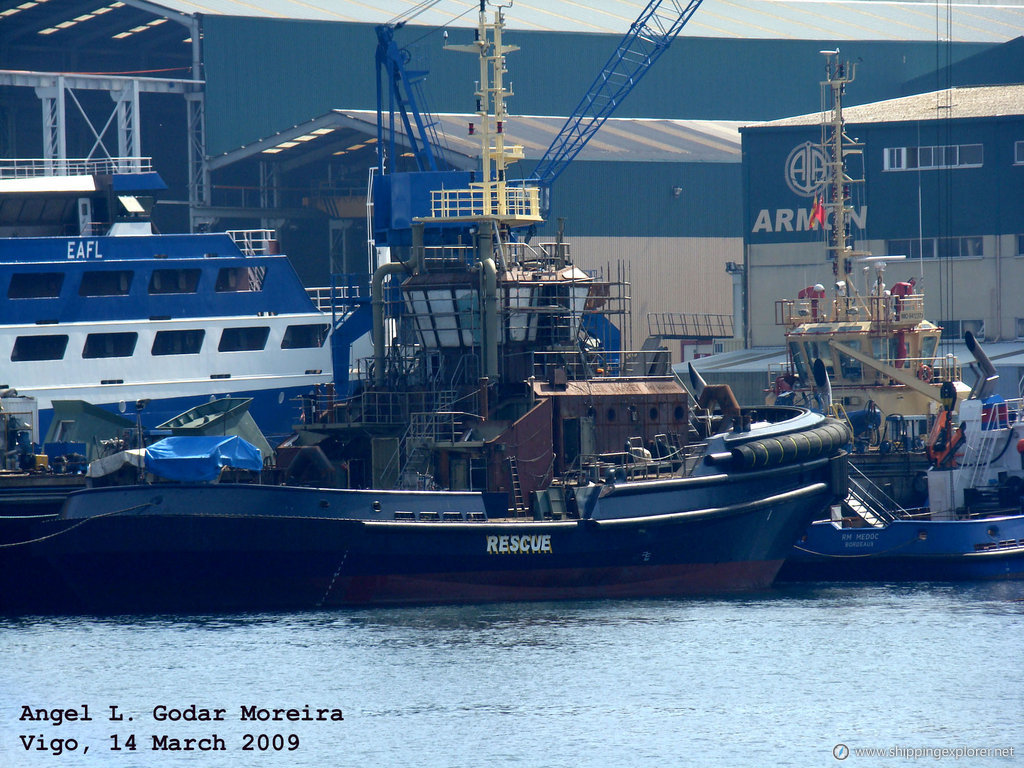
(911, 550)
(129, 558)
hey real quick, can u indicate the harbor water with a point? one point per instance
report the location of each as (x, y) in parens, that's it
(802, 675)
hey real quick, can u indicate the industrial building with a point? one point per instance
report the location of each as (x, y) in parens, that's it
(263, 114)
(941, 175)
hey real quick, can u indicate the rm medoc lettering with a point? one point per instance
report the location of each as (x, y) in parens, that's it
(519, 545)
(799, 220)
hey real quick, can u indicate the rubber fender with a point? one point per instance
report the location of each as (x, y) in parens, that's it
(790, 448)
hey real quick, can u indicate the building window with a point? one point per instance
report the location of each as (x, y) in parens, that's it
(1018, 153)
(111, 282)
(35, 285)
(174, 281)
(110, 345)
(34, 348)
(968, 246)
(954, 330)
(178, 342)
(932, 158)
(1020, 245)
(1020, 327)
(250, 339)
(305, 336)
(240, 279)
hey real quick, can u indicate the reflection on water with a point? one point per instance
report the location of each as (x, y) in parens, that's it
(775, 678)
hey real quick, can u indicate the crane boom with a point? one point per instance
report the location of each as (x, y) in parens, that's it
(405, 96)
(648, 37)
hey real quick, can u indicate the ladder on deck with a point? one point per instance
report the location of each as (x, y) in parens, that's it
(517, 489)
(869, 502)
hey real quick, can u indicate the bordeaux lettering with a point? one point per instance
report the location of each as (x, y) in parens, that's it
(55, 716)
(84, 249)
(190, 713)
(213, 744)
(525, 544)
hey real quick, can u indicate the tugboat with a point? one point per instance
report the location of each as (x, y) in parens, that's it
(499, 446)
(973, 526)
(881, 355)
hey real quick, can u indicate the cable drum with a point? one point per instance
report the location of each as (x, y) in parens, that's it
(790, 448)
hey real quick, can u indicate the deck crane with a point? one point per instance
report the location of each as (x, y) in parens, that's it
(648, 37)
(405, 97)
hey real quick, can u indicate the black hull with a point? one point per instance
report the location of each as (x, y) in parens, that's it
(139, 561)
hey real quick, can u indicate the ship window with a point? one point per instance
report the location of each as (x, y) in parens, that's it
(305, 336)
(247, 339)
(110, 282)
(816, 351)
(178, 342)
(35, 285)
(799, 361)
(110, 345)
(31, 348)
(240, 279)
(850, 367)
(174, 281)
(928, 345)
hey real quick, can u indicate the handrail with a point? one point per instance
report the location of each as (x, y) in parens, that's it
(37, 167)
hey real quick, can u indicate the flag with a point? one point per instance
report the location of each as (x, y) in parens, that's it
(817, 212)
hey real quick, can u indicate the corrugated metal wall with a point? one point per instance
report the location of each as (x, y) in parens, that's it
(266, 74)
(667, 274)
(625, 199)
(985, 201)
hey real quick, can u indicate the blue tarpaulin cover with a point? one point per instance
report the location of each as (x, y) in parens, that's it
(199, 459)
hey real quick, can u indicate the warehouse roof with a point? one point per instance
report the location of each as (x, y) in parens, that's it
(342, 131)
(955, 103)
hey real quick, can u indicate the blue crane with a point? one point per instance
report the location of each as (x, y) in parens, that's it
(405, 96)
(648, 37)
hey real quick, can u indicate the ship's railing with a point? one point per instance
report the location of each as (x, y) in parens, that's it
(345, 291)
(255, 242)
(577, 365)
(679, 325)
(26, 168)
(442, 426)
(887, 311)
(521, 203)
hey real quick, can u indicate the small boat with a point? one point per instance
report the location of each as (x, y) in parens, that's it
(499, 445)
(973, 526)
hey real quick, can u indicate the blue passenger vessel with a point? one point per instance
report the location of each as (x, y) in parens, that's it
(99, 307)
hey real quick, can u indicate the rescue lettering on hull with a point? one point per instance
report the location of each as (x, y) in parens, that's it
(519, 545)
(799, 220)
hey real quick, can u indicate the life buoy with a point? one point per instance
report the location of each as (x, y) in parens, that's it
(924, 373)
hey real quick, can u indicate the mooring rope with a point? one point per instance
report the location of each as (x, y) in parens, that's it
(80, 523)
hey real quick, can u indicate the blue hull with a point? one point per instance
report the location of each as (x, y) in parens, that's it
(910, 550)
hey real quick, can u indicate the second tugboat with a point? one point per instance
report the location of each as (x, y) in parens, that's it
(500, 447)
